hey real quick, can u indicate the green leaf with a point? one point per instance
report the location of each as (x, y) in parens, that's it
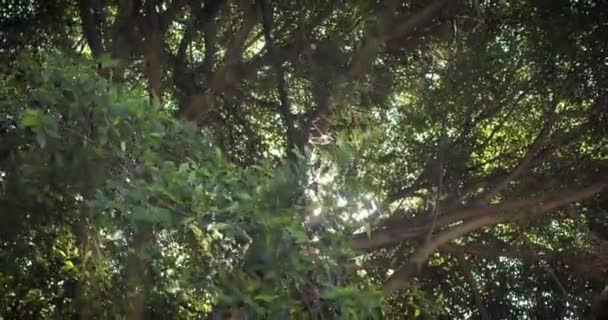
(245, 196)
(218, 226)
(41, 139)
(31, 118)
(218, 155)
(61, 253)
(266, 297)
(151, 215)
(68, 265)
(106, 61)
(297, 233)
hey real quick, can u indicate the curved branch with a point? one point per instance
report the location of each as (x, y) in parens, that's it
(414, 227)
(374, 42)
(400, 279)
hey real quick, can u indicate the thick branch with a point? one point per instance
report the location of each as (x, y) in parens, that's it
(202, 18)
(400, 279)
(414, 227)
(153, 38)
(468, 275)
(543, 146)
(90, 14)
(418, 20)
(372, 44)
(123, 34)
(184, 77)
(530, 254)
(383, 32)
(237, 44)
(172, 11)
(224, 78)
(284, 106)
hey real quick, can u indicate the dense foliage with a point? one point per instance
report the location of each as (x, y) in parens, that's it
(303, 159)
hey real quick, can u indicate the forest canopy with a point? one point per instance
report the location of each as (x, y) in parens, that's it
(303, 159)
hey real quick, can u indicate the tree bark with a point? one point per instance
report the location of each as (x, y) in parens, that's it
(401, 278)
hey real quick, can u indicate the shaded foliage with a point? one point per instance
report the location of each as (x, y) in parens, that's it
(289, 159)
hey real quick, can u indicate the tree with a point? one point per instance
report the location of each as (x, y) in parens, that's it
(471, 135)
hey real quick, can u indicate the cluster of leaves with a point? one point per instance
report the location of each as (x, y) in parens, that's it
(106, 199)
(460, 145)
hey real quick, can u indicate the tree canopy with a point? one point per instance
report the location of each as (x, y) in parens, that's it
(304, 159)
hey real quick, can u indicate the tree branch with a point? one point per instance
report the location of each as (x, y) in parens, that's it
(153, 39)
(376, 37)
(410, 228)
(90, 11)
(591, 116)
(224, 78)
(174, 9)
(379, 34)
(468, 275)
(525, 163)
(418, 20)
(543, 146)
(529, 254)
(123, 34)
(284, 106)
(401, 278)
(184, 78)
